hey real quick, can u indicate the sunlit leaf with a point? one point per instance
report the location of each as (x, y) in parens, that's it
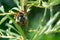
(3, 19)
(40, 32)
(2, 8)
(15, 8)
(18, 27)
(17, 2)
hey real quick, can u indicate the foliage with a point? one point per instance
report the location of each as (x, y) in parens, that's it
(43, 18)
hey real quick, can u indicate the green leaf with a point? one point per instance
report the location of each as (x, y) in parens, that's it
(41, 32)
(15, 8)
(21, 32)
(2, 8)
(3, 19)
(17, 2)
(57, 26)
(54, 2)
(11, 27)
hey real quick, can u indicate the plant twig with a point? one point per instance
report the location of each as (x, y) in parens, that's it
(3, 14)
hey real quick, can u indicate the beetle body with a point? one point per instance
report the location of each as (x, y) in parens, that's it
(21, 18)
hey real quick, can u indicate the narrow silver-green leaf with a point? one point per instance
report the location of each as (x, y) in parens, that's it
(2, 8)
(39, 33)
(18, 28)
(16, 2)
(3, 19)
